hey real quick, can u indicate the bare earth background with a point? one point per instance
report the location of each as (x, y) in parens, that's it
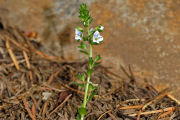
(142, 33)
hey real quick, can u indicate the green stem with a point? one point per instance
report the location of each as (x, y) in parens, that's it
(90, 51)
(88, 78)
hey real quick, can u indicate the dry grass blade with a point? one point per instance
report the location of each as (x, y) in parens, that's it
(112, 116)
(125, 72)
(28, 109)
(155, 111)
(104, 114)
(12, 55)
(139, 114)
(174, 99)
(27, 59)
(44, 110)
(43, 55)
(34, 111)
(156, 98)
(48, 87)
(52, 76)
(6, 37)
(165, 114)
(28, 66)
(130, 100)
(131, 107)
(132, 75)
(66, 99)
(12, 64)
(150, 102)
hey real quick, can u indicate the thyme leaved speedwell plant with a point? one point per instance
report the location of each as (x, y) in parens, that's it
(87, 38)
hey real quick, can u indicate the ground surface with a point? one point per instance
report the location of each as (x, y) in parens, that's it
(143, 33)
(34, 85)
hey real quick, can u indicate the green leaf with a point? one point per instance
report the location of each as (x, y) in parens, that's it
(98, 57)
(98, 28)
(82, 46)
(94, 43)
(85, 52)
(89, 20)
(96, 64)
(92, 95)
(84, 15)
(79, 84)
(89, 72)
(92, 87)
(82, 111)
(81, 77)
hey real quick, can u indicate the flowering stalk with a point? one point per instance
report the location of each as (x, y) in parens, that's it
(88, 77)
(93, 37)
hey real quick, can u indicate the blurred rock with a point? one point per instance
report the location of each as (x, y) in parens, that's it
(143, 33)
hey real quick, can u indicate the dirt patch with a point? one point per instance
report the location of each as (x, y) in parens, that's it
(34, 85)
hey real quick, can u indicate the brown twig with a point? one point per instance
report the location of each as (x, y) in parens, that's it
(28, 109)
(34, 100)
(28, 66)
(131, 73)
(45, 88)
(44, 110)
(43, 55)
(156, 98)
(12, 55)
(155, 111)
(174, 99)
(53, 76)
(66, 99)
(139, 114)
(12, 64)
(27, 59)
(150, 102)
(104, 114)
(165, 114)
(33, 111)
(51, 88)
(125, 72)
(130, 100)
(112, 116)
(131, 107)
(6, 37)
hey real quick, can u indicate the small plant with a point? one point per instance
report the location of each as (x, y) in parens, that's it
(87, 38)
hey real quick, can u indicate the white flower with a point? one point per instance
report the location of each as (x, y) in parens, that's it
(78, 34)
(97, 37)
(101, 27)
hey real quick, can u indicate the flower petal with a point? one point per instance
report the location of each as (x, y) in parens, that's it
(78, 34)
(101, 27)
(97, 37)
